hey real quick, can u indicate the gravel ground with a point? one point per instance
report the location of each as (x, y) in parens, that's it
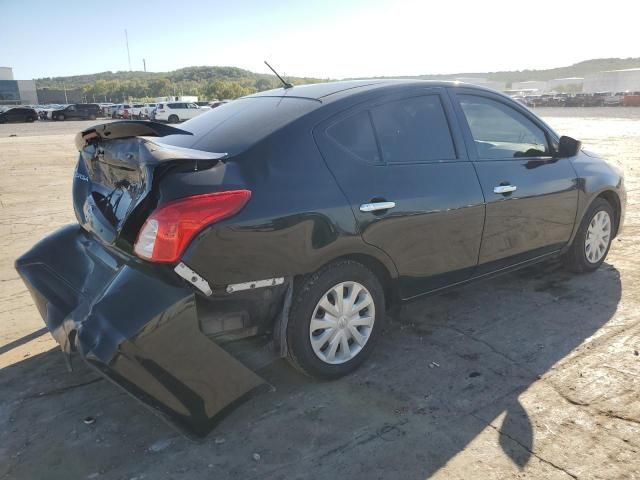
(534, 374)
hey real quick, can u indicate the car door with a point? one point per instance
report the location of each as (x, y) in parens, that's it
(531, 196)
(71, 112)
(401, 163)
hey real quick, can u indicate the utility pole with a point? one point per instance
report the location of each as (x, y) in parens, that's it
(144, 63)
(126, 38)
(64, 85)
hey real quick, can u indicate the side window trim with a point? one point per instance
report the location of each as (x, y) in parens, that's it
(466, 130)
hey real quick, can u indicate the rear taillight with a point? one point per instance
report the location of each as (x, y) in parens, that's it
(167, 232)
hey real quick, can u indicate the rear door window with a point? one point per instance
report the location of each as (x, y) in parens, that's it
(500, 131)
(355, 135)
(413, 130)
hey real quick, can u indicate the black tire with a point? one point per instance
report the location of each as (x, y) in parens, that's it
(307, 293)
(575, 259)
(173, 119)
(92, 117)
(60, 117)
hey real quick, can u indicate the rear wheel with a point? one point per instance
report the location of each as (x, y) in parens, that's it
(60, 117)
(92, 117)
(335, 319)
(593, 239)
(173, 119)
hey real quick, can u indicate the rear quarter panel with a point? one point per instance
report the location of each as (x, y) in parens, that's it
(296, 220)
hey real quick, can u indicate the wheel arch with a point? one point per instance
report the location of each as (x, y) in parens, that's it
(614, 200)
(382, 272)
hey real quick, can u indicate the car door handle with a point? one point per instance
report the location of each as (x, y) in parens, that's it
(376, 206)
(504, 189)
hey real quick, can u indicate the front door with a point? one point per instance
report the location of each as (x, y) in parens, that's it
(401, 162)
(531, 195)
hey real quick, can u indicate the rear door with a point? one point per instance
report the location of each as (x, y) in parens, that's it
(401, 162)
(531, 196)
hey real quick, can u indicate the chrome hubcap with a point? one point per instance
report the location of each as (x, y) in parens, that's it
(598, 237)
(342, 322)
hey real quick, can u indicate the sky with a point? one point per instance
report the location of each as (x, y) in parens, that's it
(315, 38)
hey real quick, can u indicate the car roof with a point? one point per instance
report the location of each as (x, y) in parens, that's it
(331, 91)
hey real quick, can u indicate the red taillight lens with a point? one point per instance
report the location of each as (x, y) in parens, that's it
(169, 229)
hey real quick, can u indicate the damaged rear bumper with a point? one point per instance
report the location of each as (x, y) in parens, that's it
(137, 324)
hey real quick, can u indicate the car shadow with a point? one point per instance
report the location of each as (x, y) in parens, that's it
(446, 368)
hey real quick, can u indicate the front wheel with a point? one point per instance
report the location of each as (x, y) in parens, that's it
(335, 319)
(593, 239)
(173, 119)
(60, 117)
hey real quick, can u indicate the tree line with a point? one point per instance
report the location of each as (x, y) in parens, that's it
(206, 82)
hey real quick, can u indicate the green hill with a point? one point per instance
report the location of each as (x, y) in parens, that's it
(231, 82)
(576, 70)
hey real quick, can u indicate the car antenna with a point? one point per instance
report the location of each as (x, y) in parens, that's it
(284, 84)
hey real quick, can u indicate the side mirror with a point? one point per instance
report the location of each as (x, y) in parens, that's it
(568, 147)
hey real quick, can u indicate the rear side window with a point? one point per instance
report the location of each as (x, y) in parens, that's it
(234, 126)
(413, 130)
(355, 134)
(500, 131)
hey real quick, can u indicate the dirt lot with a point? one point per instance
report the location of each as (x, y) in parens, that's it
(535, 374)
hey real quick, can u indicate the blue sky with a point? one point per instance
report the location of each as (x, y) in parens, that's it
(327, 38)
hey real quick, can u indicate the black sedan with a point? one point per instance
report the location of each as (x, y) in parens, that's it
(18, 114)
(301, 215)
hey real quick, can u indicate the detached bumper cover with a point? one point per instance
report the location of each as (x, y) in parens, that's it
(137, 324)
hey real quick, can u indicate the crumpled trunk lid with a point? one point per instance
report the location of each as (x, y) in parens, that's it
(115, 174)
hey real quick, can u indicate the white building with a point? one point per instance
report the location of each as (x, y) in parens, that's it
(573, 84)
(483, 82)
(613, 81)
(182, 98)
(6, 73)
(530, 86)
(16, 92)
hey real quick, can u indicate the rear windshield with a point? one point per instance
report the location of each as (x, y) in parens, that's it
(235, 126)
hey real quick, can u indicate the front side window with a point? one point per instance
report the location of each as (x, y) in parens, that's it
(413, 130)
(500, 131)
(355, 135)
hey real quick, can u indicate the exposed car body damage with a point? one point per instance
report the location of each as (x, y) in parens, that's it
(164, 328)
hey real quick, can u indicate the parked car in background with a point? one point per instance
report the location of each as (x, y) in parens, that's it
(136, 110)
(174, 112)
(77, 111)
(145, 111)
(631, 99)
(614, 100)
(112, 109)
(302, 215)
(18, 114)
(104, 108)
(123, 111)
